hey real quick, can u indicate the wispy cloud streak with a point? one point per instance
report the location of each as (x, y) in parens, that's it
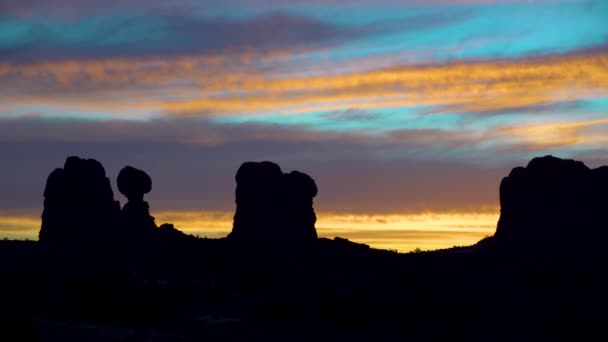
(463, 87)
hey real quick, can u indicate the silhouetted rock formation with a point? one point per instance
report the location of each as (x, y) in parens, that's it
(553, 204)
(168, 231)
(257, 200)
(134, 183)
(299, 189)
(79, 205)
(272, 206)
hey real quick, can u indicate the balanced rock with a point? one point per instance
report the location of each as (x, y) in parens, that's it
(134, 183)
(136, 219)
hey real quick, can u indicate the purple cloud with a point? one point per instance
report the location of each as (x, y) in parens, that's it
(181, 34)
(354, 175)
(77, 8)
(191, 176)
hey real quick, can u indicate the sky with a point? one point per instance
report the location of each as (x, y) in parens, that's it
(406, 113)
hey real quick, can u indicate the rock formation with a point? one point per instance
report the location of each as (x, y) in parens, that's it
(299, 216)
(553, 204)
(257, 201)
(79, 205)
(136, 219)
(272, 206)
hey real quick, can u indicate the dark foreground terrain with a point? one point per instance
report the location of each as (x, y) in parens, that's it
(542, 276)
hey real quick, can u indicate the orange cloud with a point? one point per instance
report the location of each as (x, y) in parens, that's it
(466, 87)
(237, 84)
(557, 135)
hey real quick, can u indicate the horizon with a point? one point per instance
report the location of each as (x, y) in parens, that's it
(406, 113)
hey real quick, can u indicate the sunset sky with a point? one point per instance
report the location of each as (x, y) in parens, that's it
(407, 113)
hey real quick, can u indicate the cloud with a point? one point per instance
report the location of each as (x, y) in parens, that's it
(190, 131)
(474, 87)
(189, 87)
(352, 114)
(429, 137)
(180, 34)
(72, 9)
(385, 143)
(536, 109)
(193, 163)
(136, 30)
(555, 135)
(75, 8)
(593, 157)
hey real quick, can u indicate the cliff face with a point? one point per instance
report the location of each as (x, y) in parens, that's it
(554, 203)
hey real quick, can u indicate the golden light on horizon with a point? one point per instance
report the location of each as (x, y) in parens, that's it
(401, 232)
